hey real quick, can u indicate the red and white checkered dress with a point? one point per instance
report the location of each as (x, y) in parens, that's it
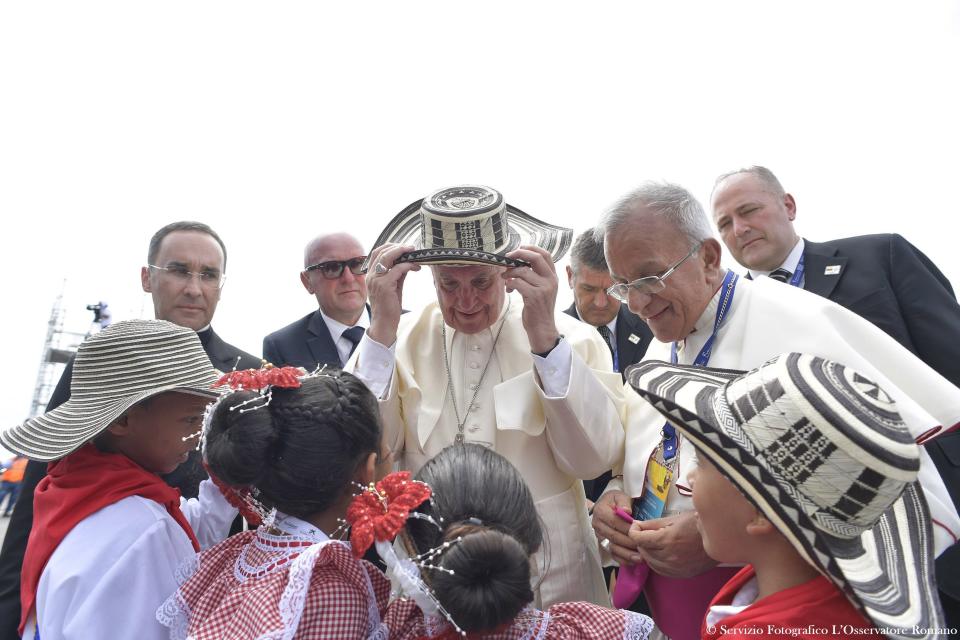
(564, 621)
(265, 586)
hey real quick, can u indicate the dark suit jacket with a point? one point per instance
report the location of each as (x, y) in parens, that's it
(305, 343)
(187, 478)
(891, 283)
(628, 353)
(888, 281)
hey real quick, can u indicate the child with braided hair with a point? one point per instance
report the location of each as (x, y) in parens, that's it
(301, 446)
(480, 530)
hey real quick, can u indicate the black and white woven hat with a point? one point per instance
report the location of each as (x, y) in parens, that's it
(115, 369)
(822, 451)
(470, 224)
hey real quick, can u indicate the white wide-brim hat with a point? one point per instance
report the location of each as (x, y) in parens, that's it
(822, 451)
(115, 369)
(470, 224)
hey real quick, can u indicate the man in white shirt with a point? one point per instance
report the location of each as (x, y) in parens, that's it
(332, 272)
(484, 364)
(666, 263)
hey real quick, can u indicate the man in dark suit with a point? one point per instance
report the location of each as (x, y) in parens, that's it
(626, 335)
(882, 278)
(331, 272)
(186, 262)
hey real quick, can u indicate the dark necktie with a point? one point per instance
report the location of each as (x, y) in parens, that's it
(781, 275)
(607, 337)
(353, 334)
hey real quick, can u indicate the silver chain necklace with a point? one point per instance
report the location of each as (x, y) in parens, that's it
(446, 365)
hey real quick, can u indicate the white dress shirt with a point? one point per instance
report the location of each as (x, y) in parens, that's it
(336, 329)
(790, 264)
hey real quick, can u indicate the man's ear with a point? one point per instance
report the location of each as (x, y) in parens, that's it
(791, 206)
(711, 254)
(145, 279)
(569, 276)
(305, 279)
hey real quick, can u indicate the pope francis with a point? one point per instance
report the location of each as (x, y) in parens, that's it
(491, 362)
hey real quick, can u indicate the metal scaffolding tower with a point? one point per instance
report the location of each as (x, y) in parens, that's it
(58, 348)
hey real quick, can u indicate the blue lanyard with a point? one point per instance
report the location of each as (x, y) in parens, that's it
(616, 360)
(797, 278)
(729, 286)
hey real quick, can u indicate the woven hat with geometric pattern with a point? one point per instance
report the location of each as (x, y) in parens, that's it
(822, 452)
(115, 369)
(470, 224)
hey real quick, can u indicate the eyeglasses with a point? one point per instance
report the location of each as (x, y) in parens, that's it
(333, 269)
(649, 284)
(209, 278)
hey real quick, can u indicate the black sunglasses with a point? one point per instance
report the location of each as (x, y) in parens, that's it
(333, 269)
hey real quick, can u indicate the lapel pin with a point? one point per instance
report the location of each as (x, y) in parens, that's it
(634, 338)
(831, 270)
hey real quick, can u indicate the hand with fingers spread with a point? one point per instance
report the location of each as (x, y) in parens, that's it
(672, 546)
(607, 525)
(385, 287)
(537, 285)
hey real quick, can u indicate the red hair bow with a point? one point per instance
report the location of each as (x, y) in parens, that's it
(255, 379)
(379, 513)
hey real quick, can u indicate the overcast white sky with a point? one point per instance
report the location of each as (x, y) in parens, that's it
(273, 122)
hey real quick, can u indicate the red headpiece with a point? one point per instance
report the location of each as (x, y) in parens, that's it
(381, 511)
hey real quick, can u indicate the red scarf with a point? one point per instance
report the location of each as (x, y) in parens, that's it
(75, 487)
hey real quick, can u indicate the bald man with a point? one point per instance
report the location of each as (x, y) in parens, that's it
(331, 273)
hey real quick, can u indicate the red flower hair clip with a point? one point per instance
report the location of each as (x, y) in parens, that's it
(381, 511)
(256, 379)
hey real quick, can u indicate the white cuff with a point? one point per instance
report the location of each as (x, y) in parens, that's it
(373, 363)
(554, 370)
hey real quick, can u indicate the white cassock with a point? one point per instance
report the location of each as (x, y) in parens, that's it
(111, 572)
(768, 318)
(556, 419)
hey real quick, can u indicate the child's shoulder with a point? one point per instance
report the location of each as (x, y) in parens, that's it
(122, 524)
(130, 532)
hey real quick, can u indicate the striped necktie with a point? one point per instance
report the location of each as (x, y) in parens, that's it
(607, 337)
(780, 275)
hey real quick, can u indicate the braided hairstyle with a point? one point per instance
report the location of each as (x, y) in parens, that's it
(480, 497)
(300, 451)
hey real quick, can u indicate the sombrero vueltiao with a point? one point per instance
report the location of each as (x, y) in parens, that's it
(115, 369)
(822, 451)
(470, 224)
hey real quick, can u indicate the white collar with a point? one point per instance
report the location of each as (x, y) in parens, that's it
(336, 328)
(745, 596)
(612, 325)
(703, 328)
(291, 525)
(790, 264)
(706, 320)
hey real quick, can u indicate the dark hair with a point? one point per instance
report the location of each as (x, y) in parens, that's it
(183, 225)
(482, 499)
(587, 252)
(300, 451)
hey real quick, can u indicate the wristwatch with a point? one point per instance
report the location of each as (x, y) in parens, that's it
(547, 352)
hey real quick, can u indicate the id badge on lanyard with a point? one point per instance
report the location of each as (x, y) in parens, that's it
(662, 464)
(656, 485)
